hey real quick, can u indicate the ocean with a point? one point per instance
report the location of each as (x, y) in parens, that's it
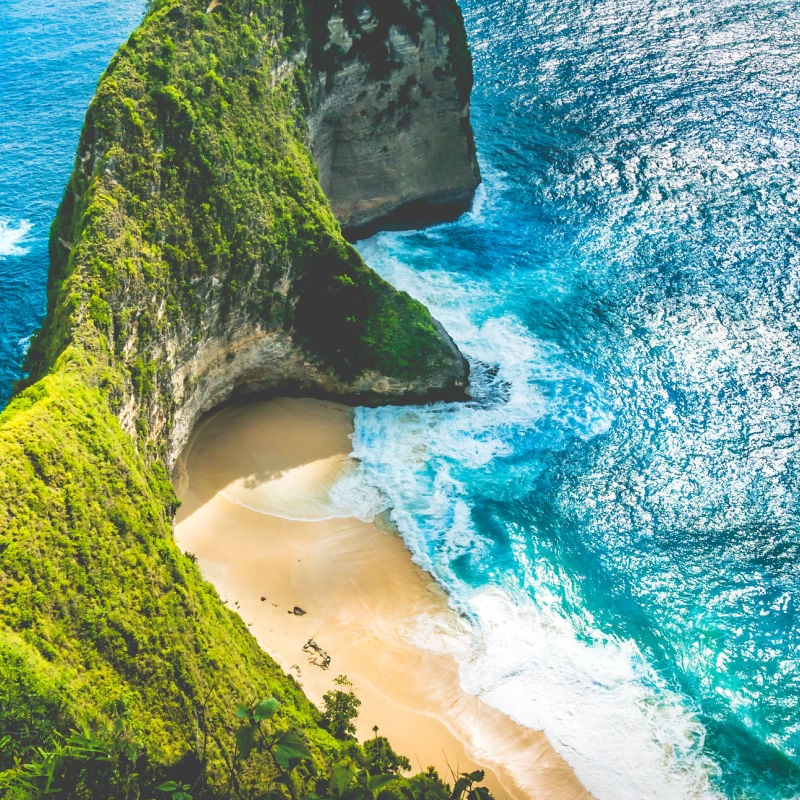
(52, 55)
(615, 512)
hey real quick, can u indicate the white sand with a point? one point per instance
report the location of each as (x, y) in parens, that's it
(250, 467)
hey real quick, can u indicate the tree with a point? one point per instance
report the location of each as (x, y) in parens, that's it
(341, 710)
(465, 788)
(382, 759)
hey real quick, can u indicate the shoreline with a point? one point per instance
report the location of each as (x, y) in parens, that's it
(249, 468)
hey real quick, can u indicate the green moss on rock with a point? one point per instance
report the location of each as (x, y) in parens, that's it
(193, 215)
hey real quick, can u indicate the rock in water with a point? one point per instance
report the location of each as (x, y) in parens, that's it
(390, 112)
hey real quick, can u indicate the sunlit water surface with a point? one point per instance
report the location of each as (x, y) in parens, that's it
(616, 510)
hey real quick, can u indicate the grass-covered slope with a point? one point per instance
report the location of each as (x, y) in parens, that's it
(193, 222)
(101, 614)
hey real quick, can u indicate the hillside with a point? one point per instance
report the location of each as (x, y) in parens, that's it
(195, 259)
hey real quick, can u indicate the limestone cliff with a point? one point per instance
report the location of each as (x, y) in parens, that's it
(194, 258)
(196, 241)
(390, 111)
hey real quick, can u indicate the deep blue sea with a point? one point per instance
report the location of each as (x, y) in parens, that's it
(52, 55)
(617, 512)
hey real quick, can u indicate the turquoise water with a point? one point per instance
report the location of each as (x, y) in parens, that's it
(52, 56)
(616, 510)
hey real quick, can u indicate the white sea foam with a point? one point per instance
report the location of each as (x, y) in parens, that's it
(601, 706)
(23, 345)
(473, 313)
(352, 496)
(12, 236)
(626, 734)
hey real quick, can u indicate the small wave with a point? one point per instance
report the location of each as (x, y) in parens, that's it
(626, 735)
(11, 237)
(23, 345)
(352, 496)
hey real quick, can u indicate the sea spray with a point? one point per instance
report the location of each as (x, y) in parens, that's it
(12, 237)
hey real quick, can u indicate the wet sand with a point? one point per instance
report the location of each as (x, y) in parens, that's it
(246, 472)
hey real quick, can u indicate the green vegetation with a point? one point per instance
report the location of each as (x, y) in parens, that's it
(102, 615)
(341, 710)
(192, 190)
(265, 763)
(382, 759)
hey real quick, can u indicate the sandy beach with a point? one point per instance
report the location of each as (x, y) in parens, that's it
(254, 485)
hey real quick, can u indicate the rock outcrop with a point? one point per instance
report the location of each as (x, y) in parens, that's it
(194, 259)
(195, 240)
(389, 123)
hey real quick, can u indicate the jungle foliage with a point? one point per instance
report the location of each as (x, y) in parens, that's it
(119, 665)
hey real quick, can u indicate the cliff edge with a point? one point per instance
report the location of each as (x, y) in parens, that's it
(195, 247)
(389, 123)
(195, 259)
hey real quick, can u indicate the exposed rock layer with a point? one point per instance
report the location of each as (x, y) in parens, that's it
(390, 119)
(254, 362)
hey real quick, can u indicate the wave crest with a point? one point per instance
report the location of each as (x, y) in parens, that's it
(11, 237)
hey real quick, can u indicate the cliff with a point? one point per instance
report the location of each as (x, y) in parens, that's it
(389, 124)
(195, 259)
(195, 247)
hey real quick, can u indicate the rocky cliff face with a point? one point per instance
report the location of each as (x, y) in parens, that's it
(239, 360)
(389, 124)
(195, 241)
(194, 258)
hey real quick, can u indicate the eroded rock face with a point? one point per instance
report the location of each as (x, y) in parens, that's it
(195, 258)
(242, 361)
(390, 125)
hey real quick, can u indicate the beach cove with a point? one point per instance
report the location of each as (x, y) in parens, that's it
(615, 510)
(259, 516)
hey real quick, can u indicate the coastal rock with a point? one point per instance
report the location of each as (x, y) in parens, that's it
(389, 123)
(194, 260)
(207, 259)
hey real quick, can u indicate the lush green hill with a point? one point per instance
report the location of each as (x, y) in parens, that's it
(193, 226)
